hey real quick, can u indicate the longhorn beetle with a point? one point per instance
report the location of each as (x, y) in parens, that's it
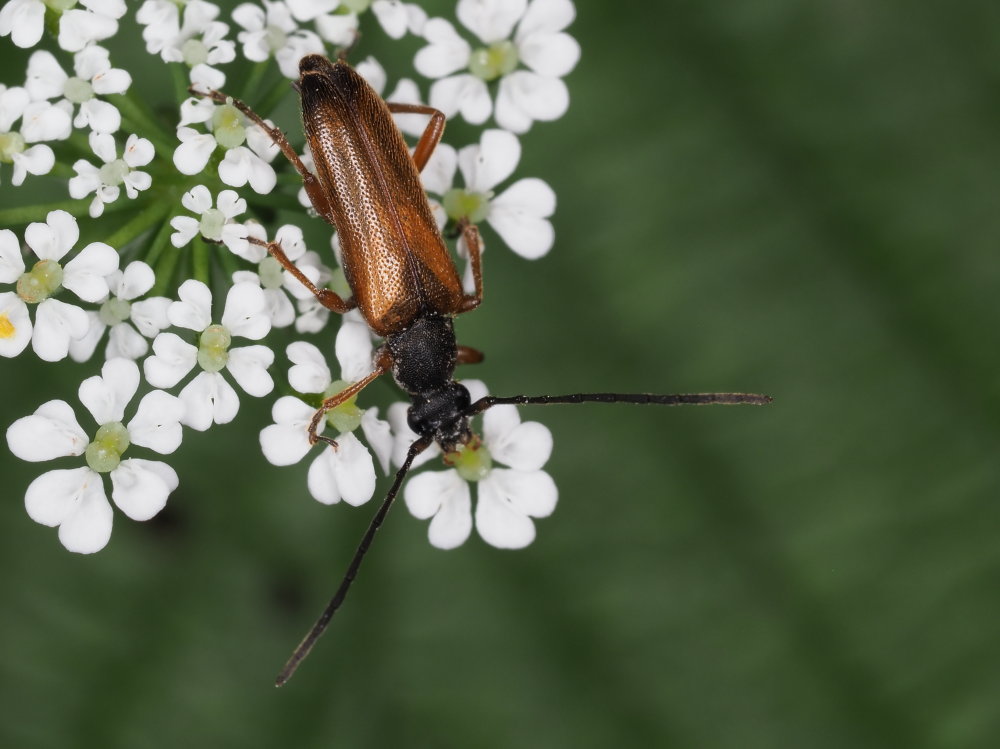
(402, 278)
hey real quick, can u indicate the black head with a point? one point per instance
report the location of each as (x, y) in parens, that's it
(424, 355)
(441, 414)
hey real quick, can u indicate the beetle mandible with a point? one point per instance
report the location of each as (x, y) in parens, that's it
(401, 275)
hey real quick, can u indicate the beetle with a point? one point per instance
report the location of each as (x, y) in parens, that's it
(401, 275)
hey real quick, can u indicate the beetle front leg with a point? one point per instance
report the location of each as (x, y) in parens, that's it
(382, 365)
(474, 243)
(327, 297)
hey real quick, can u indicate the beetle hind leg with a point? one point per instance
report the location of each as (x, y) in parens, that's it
(474, 243)
(327, 297)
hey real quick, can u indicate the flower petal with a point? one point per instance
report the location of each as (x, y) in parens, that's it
(490, 20)
(54, 238)
(248, 366)
(518, 216)
(140, 487)
(354, 350)
(172, 359)
(106, 396)
(346, 472)
(156, 423)
(552, 55)
(446, 53)
(446, 497)
(11, 259)
(52, 431)
(309, 373)
(287, 440)
(462, 93)
(15, 325)
(74, 500)
(246, 312)
(208, 398)
(56, 324)
(194, 310)
(85, 275)
(525, 96)
(498, 522)
(486, 165)
(379, 436)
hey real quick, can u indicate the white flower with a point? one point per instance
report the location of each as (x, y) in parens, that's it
(129, 320)
(40, 121)
(508, 497)
(281, 287)
(98, 20)
(216, 224)
(523, 95)
(519, 214)
(75, 499)
(190, 34)
(348, 471)
(399, 18)
(227, 128)
(105, 181)
(24, 21)
(94, 75)
(313, 316)
(56, 323)
(271, 31)
(209, 397)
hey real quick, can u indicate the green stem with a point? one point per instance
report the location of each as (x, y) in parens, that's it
(180, 80)
(202, 271)
(254, 80)
(148, 216)
(27, 214)
(164, 271)
(159, 243)
(273, 97)
(142, 121)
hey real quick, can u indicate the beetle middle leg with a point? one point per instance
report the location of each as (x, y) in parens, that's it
(327, 297)
(382, 365)
(431, 135)
(313, 188)
(474, 243)
(469, 355)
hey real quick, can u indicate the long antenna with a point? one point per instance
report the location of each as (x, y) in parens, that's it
(310, 639)
(677, 399)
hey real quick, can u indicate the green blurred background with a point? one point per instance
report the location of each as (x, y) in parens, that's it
(794, 198)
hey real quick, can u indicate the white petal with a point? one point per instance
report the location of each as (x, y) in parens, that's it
(338, 29)
(75, 501)
(546, 16)
(462, 93)
(525, 96)
(56, 324)
(36, 160)
(446, 53)
(248, 366)
(527, 447)
(52, 431)
(197, 200)
(135, 280)
(491, 162)
(138, 151)
(44, 121)
(103, 146)
(186, 227)
(172, 359)
(194, 310)
(77, 28)
(241, 165)
(208, 398)
(101, 116)
(246, 312)
(112, 81)
(354, 350)
(85, 275)
(346, 472)
(531, 493)
(309, 373)
(287, 440)
(15, 325)
(53, 239)
(156, 423)
(140, 487)
(150, 315)
(518, 216)
(46, 78)
(11, 259)
(191, 156)
(490, 20)
(107, 395)
(552, 55)
(24, 21)
(439, 172)
(124, 341)
(498, 522)
(392, 17)
(379, 436)
(445, 496)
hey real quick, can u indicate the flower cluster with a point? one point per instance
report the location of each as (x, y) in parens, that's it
(183, 302)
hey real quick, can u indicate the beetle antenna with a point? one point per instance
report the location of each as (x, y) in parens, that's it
(310, 639)
(678, 399)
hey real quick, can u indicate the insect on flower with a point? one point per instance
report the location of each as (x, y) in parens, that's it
(402, 278)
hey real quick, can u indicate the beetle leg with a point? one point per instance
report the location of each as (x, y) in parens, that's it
(469, 355)
(475, 246)
(432, 134)
(382, 366)
(327, 297)
(313, 188)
